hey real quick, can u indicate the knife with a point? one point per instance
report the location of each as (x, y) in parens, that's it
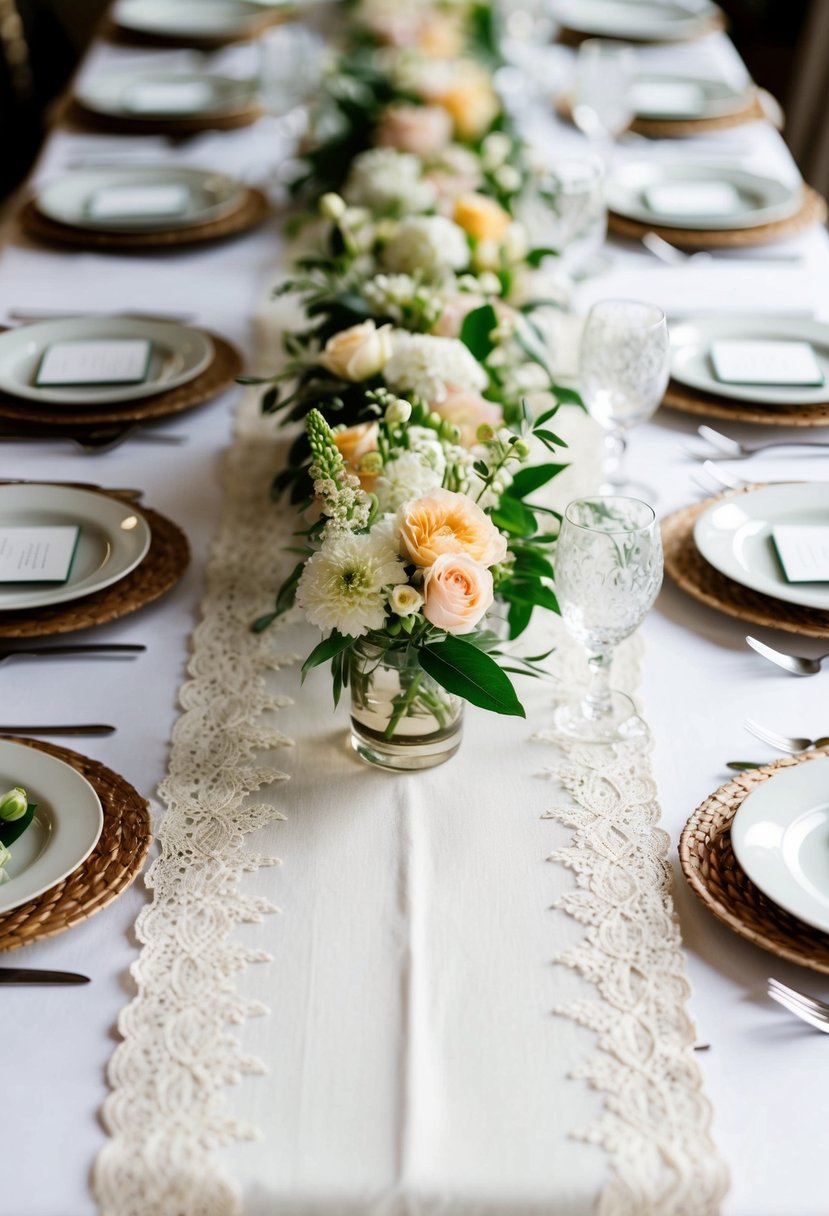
(22, 975)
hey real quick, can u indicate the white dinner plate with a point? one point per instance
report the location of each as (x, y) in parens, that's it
(113, 540)
(188, 18)
(761, 199)
(691, 356)
(713, 98)
(112, 94)
(734, 536)
(780, 835)
(642, 20)
(177, 355)
(209, 197)
(65, 828)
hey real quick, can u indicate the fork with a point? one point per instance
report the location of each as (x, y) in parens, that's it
(730, 449)
(791, 744)
(94, 441)
(809, 1008)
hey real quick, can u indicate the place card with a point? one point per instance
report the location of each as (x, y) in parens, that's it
(138, 202)
(803, 551)
(766, 362)
(37, 554)
(168, 97)
(102, 361)
(667, 99)
(703, 199)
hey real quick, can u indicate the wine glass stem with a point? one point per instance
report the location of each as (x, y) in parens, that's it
(597, 703)
(615, 446)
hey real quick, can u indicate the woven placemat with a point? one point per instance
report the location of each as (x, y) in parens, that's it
(708, 405)
(167, 559)
(715, 877)
(79, 115)
(207, 42)
(111, 867)
(690, 571)
(811, 211)
(253, 210)
(226, 365)
(676, 128)
(570, 37)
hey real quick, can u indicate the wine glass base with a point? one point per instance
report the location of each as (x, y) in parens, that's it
(622, 722)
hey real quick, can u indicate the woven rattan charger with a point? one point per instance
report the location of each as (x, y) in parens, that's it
(690, 571)
(176, 126)
(689, 400)
(111, 867)
(716, 878)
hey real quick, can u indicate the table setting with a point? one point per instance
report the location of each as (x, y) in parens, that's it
(454, 938)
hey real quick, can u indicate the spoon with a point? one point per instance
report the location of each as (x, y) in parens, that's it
(795, 664)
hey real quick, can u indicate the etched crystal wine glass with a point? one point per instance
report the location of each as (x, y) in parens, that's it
(624, 365)
(608, 573)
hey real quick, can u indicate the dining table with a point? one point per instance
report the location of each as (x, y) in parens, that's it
(482, 990)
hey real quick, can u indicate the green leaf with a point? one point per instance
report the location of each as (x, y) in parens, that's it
(263, 622)
(530, 562)
(742, 766)
(270, 400)
(567, 396)
(253, 379)
(513, 517)
(326, 650)
(548, 414)
(518, 619)
(475, 331)
(550, 440)
(10, 830)
(337, 676)
(536, 256)
(527, 480)
(467, 672)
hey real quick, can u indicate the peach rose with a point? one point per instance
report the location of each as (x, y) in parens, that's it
(481, 217)
(358, 352)
(355, 442)
(440, 35)
(467, 411)
(423, 130)
(469, 97)
(443, 522)
(458, 591)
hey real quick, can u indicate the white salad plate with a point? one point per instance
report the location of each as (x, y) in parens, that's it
(734, 536)
(696, 97)
(761, 200)
(177, 355)
(780, 836)
(118, 95)
(66, 825)
(691, 356)
(113, 540)
(188, 18)
(209, 197)
(642, 20)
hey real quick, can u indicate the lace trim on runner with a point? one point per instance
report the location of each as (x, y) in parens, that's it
(656, 1121)
(166, 1114)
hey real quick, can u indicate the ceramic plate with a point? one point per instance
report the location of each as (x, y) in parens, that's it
(780, 835)
(178, 355)
(210, 196)
(734, 536)
(66, 825)
(696, 97)
(643, 20)
(113, 540)
(118, 95)
(691, 362)
(188, 18)
(761, 200)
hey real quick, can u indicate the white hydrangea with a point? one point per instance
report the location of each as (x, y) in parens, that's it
(404, 477)
(345, 584)
(423, 365)
(430, 244)
(427, 445)
(393, 295)
(384, 179)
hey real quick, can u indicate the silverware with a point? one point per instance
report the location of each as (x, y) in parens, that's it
(27, 315)
(808, 1008)
(796, 664)
(120, 491)
(28, 975)
(81, 728)
(127, 649)
(102, 439)
(730, 449)
(791, 744)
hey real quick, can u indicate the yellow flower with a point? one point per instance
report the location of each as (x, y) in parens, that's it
(445, 522)
(481, 216)
(469, 97)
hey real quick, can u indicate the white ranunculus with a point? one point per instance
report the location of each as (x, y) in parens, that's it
(430, 245)
(384, 179)
(345, 585)
(405, 600)
(424, 365)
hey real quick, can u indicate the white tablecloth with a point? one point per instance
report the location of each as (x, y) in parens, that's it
(452, 860)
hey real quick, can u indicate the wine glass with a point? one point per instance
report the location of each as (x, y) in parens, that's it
(575, 216)
(602, 89)
(624, 365)
(608, 572)
(292, 60)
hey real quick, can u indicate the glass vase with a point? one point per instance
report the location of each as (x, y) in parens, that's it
(400, 717)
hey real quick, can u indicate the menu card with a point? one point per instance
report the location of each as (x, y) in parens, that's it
(701, 199)
(168, 97)
(102, 361)
(803, 550)
(37, 554)
(669, 99)
(138, 202)
(769, 362)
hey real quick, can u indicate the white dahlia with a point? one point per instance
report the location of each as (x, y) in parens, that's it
(423, 365)
(345, 585)
(430, 245)
(383, 180)
(405, 476)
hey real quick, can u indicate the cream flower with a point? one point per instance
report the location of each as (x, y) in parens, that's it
(358, 353)
(458, 591)
(466, 92)
(384, 179)
(355, 442)
(426, 366)
(423, 130)
(344, 586)
(481, 216)
(404, 477)
(456, 308)
(447, 523)
(429, 245)
(405, 600)
(468, 411)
